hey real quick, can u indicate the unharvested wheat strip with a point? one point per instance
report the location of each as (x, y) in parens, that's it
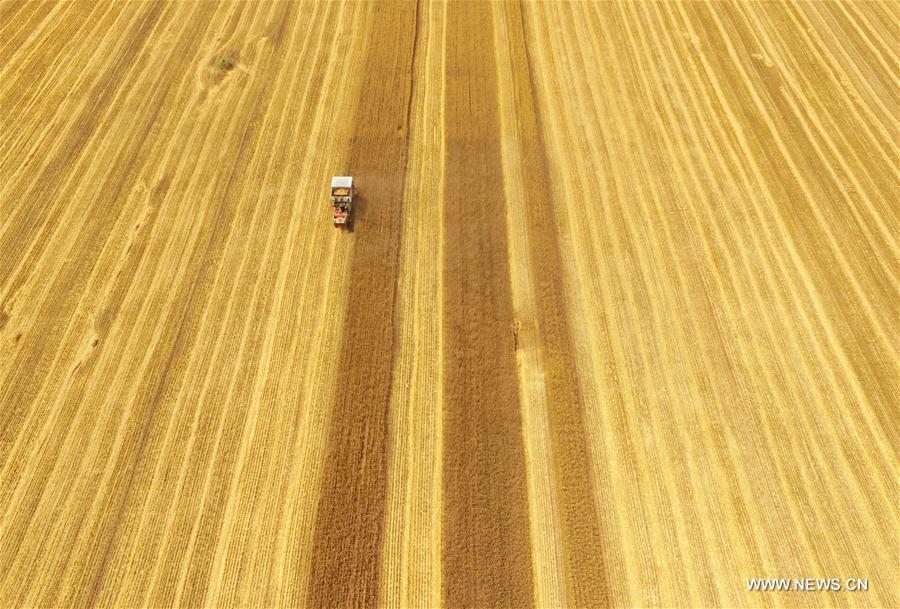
(719, 239)
(781, 266)
(546, 532)
(312, 350)
(357, 457)
(838, 150)
(869, 313)
(844, 77)
(485, 485)
(411, 567)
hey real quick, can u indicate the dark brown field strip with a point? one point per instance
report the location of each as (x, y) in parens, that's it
(486, 544)
(350, 520)
(581, 534)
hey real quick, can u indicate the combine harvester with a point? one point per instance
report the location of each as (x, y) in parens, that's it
(342, 200)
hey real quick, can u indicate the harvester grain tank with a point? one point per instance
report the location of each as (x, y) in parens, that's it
(342, 200)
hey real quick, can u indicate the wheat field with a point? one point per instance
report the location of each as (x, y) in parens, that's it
(616, 324)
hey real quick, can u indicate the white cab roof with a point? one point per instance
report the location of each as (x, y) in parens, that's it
(342, 182)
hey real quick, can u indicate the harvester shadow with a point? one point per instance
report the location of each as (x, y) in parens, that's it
(359, 211)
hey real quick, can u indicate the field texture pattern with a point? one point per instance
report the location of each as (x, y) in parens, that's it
(616, 324)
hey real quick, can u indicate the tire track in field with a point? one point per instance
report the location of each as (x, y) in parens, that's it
(581, 534)
(350, 519)
(486, 543)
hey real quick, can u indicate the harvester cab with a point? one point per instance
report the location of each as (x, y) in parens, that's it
(341, 200)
